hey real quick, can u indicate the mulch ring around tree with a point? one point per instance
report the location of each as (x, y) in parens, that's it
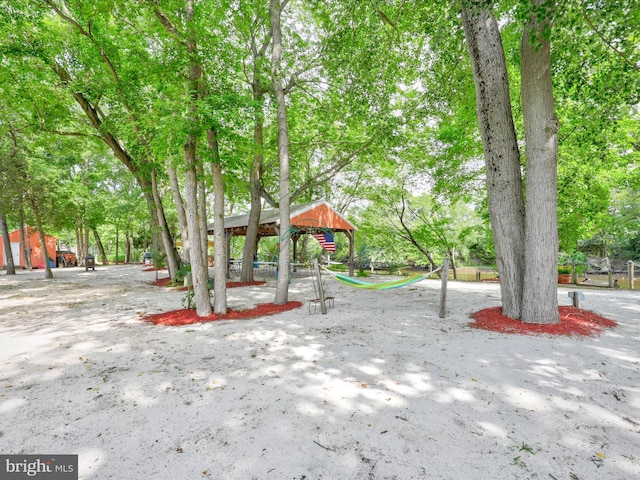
(573, 321)
(188, 317)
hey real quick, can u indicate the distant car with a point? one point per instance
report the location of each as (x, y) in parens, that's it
(66, 258)
(147, 258)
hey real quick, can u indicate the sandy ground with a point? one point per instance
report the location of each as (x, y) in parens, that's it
(379, 388)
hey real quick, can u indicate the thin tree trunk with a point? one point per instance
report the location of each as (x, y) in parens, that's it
(8, 254)
(128, 238)
(24, 242)
(86, 241)
(43, 239)
(202, 214)
(540, 300)
(118, 240)
(501, 154)
(127, 247)
(169, 248)
(103, 254)
(282, 286)
(177, 199)
(81, 251)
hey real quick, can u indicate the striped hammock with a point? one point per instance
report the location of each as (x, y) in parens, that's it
(354, 282)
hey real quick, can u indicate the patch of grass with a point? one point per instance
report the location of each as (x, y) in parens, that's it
(517, 460)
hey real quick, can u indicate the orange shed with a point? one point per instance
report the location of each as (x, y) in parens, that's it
(35, 248)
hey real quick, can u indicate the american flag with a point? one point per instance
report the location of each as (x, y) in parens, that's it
(326, 241)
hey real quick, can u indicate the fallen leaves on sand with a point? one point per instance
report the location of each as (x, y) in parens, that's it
(573, 321)
(188, 317)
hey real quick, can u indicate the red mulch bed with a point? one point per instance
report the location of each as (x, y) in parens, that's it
(188, 317)
(166, 282)
(573, 321)
(151, 269)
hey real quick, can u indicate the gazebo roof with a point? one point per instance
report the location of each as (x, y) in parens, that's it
(305, 217)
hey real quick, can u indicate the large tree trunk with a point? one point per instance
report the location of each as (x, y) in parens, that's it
(219, 253)
(501, 154)
(282, 286)
(255, 190)
(540, 300)
(199, 269)
(8, 254)
(255, 174)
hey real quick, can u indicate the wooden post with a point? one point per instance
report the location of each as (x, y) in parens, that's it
(574, 272)
(631, 273)
(352, 239)
(227, 238)
(478, 276)
(443, 288)
(575, 298)
(323, 305)
(610, 278)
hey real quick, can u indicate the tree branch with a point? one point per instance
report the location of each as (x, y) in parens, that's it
(166, 22)
(71, 134)
(620, 53)
(323, 175)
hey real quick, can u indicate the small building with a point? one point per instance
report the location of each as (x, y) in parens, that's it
(309, 218)
(32, 238)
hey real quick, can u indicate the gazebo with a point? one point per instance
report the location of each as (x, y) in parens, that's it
(308, 218)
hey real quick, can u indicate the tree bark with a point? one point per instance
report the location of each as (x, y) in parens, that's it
(103, 254)
(48, 274)
(171, 255)
(24, 242)
(255, 190)
(540, 299)
(202, 213)
(219, 253)
(255, 175)
(8, 254)
(118, 241)
(81, 246)
(282, 286)
(199, 271)
(501, 154)
(182, 218)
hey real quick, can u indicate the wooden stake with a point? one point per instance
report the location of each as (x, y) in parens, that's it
(323, 305)
(443, 289)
